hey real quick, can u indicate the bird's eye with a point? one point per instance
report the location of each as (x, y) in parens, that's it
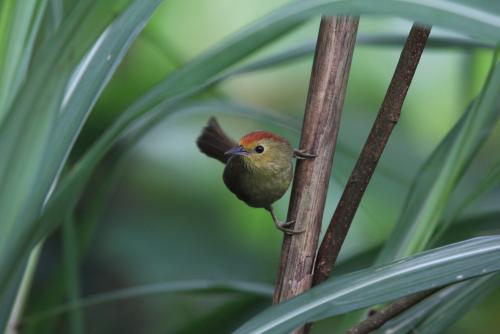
(259, 149)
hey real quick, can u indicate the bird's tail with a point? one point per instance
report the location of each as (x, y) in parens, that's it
(214, 142)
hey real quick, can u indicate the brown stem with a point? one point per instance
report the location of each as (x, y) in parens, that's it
(319, 134)
(387, 118)
(377, 319)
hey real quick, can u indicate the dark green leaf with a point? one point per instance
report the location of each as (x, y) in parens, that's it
(142, 291)
(443, 308)
(26, 173)
(346, 293)
(460, 302)
(441, 173)
(72, 276)
(19, 23)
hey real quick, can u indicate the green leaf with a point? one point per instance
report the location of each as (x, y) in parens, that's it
(92, 75)
(436, 41)
(9, 298)
(470, 226)
(51, 123)
(19, 23)
(454, 307)
(89, 215)
(56, 13)
(26, 130)
(12, 304)
(437, 312)
(72, 274)
(142, 291)
(491, 181)
(342, 294)
(441, 173)
(306, 49)
(226, 318)
(408, 320)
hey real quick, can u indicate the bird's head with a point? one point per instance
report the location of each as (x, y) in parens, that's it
(262, 148)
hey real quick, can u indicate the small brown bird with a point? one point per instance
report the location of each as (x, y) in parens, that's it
(258, 168)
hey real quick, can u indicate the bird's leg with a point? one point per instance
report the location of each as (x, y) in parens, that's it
(282, 226)
(303, 154)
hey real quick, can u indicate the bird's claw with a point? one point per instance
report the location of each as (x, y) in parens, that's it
(283, 227)
(303, 154)
(289, 231)
(287, 224)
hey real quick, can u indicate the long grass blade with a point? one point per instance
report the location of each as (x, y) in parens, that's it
(51, 133)
(206, 286)
(21, 292)
(19, 23)
(441, 173)
(461, 302)
(491, 181)
(72, 279)
(342, 294)
(437, 312)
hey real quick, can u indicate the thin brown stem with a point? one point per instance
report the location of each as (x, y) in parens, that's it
(327, 89)
(377, 319)
(387, 118)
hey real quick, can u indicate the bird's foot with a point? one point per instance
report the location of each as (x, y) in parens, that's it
(287, 224)
(303, 154)
(283, 227)
(289, 231)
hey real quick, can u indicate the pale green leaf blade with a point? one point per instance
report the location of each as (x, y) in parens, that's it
(437, 312)
(72, 275)
(92, 75)
(50, 133)
(342, 294)
(456, 306)
(142, 291)
(441, 173)
(19, 25)
(490, 181)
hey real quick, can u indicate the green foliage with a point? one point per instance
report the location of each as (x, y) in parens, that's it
(380, 284)
(440, 175)
(440, 311)
(57, 58)
(31, 163)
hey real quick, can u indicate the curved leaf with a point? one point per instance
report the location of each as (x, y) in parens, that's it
(346, 293)
(441, 173)
(491, 180)
(443, 308)
(35, 140)
(188, 286)
(453, 308)
(19, 24)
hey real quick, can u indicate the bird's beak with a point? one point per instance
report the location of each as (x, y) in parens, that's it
(238, 150)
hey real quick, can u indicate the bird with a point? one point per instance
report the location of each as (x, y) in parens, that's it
(258, 168)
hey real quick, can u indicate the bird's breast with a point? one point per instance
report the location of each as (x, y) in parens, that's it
(257, 187)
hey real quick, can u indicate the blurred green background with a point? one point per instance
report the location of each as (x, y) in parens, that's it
(167, 215)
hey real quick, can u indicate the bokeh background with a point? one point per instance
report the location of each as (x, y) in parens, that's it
(166, 214)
